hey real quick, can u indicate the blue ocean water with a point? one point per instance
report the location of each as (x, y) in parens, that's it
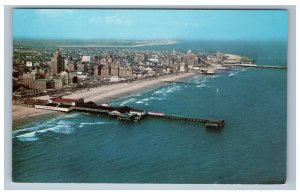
(81, 147)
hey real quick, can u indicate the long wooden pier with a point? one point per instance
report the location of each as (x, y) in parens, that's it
(132, 115)
(207, 122)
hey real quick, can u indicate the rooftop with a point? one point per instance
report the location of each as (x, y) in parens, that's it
(63, 100)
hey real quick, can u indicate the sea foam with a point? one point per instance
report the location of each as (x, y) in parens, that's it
(95, 123)
(167, 90)
(32, 132)
(128, 101)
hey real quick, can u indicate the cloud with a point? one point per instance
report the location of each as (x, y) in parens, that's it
(53, 13)
(96, 19)
(112, 20)
(191, 25)
(93, 18)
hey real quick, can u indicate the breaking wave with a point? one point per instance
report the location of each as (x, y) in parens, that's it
(232, 74)
(72, 115)
(32, 136)
(28, 137)
(145, 100)
(201, 86)
(237, 72)
(95, 123)
(167, 90)
(35, 128)
(64, 124)
(128, 101)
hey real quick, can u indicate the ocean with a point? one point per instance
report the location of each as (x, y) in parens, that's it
(251, 149)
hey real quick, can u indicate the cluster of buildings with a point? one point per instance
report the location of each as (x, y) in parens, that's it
(39, 79)
(73, 66)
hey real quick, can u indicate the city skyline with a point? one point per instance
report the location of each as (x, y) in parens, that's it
(135, 24)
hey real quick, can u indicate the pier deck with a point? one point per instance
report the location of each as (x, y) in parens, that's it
(129, 114)
(217, 124)
(90, 110)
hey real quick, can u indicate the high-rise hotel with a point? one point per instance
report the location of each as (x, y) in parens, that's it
(57, 62)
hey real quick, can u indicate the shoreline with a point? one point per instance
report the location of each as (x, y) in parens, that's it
(105, 93)
(23, 114)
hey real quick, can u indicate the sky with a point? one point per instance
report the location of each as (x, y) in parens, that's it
(150, 24)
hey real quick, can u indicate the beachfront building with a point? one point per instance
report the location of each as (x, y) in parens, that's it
(125, 72)
(23, 93)
(62, 80)
(65, 101)
(42, 84)
(97, 70)
(28, 79)
(114, 70)
(106, 71)
(31, 81)
(175, 67)
(60, 104)
(183, 67)
(192, 62)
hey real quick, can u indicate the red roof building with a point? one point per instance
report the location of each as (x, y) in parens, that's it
(63, 101)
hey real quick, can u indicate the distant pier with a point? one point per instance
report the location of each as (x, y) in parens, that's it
(255, 66)
(272, 67)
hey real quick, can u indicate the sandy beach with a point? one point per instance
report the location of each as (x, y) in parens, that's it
(20, 112)
(108, 92)
(23, 113)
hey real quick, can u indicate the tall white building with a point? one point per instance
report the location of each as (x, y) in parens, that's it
(183, 67)
(86, 59)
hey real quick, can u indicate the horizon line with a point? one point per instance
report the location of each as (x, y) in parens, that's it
(156, 39)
